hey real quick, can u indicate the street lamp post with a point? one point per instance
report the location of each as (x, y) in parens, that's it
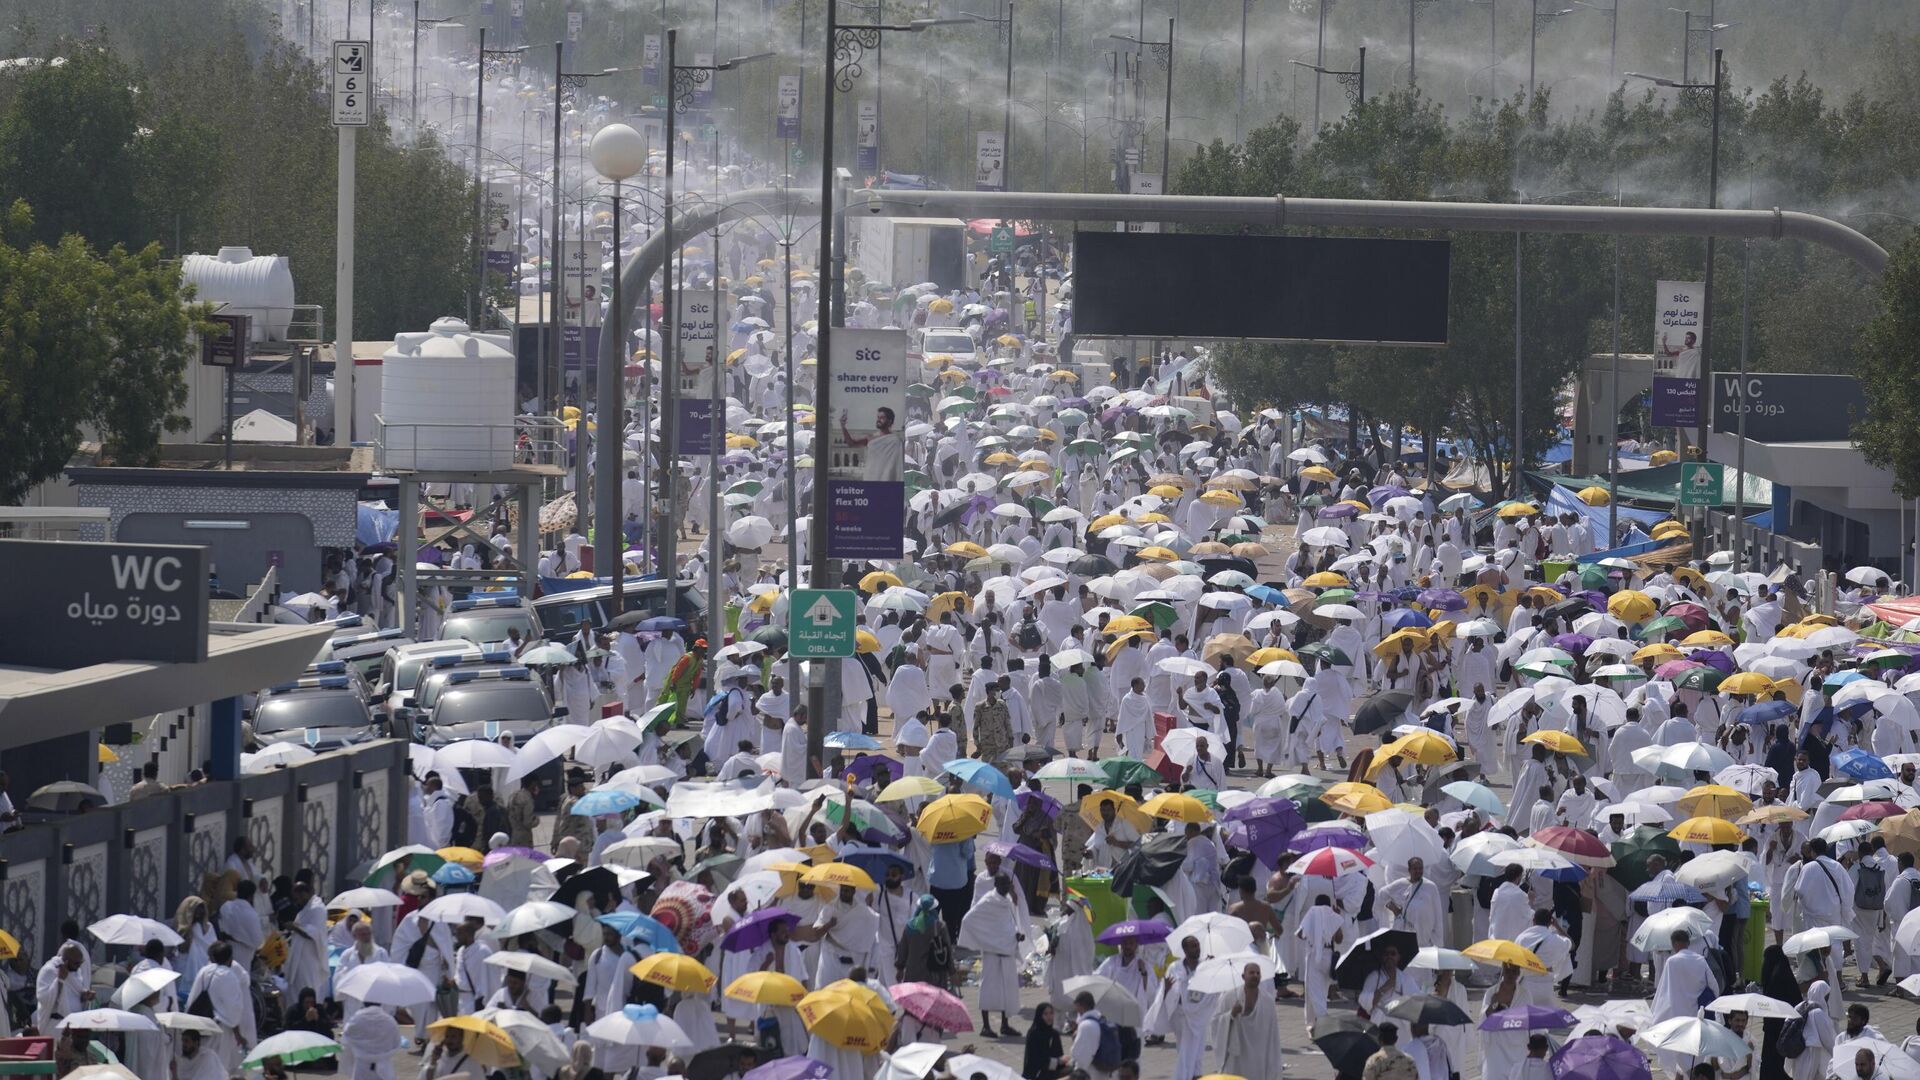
(1613, 36)
(1003, 25)
(489, 59)
(413, 92)
(552, 372)
(1354, 82)
(845, 47)
(1533, 38)
(1162, 52)
(618, 152)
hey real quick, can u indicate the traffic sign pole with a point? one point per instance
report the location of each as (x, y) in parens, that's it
(820, 624)
(352, 97)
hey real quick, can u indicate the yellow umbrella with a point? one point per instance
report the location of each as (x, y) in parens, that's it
(1390, 645)
(1594, 496)
(1248, 549)
(1126, 624)
(1114, 647)
(940, 306)
(948, 601)
(1660, 652)
(762, 603)
(1501, 951)
(879, 579)
(1518, 510)
(1708, 830)
(1662, 457)
(1746, 682)
(1152, 517)
(865, 642)
(1063, 373)
(1318, 472)
(1260, 658)
(1222, 498)
(1353, 797)
(1165, 491)
(1125, 809)
(767, 988)
(1543, 594)
(105, 754)
(675, 971)
(1158, 554)
(1207, 547)
(742, 442)
(1232, 483)
(1001, 457)
(1789, 688)
(1325, 579)
(1775, 815)
(966, 549)
(839, 874)
(909, 787)
(1557, 741)
(9, 946)
(1106, 521)
(734, 356)
(950, 375)
(484, 1041)
(1425, 747)
(465, 856)
(955, 817)
(1631, 605)
(847, 1015)
(1007, 339)
(1712, 639)
(1174, 806)
(1714, 800)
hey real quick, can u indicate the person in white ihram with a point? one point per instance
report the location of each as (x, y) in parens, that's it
(886, 452)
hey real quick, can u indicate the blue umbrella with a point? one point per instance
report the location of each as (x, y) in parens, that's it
(1479, 796)
(662, 622)
(875, 860)
(1267, 594)
(980, 775)
(1768, 712)
(1668, 891)
(453, 874)
(851, 740)
(1839, 679)
(601, 802)
(1402, 618)
(1861, 765)
(632, 924)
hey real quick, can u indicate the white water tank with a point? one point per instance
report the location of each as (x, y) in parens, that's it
(247, 284)
(447, 401)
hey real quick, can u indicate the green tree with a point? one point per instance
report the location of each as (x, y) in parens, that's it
(1890, 374)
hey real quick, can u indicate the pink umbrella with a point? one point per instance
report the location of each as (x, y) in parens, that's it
(1578, 845)
(1673, 668)
(932, 1006)
(1331, 863)
(1872, 811)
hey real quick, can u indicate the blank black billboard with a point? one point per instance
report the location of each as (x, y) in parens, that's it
(1283, 288)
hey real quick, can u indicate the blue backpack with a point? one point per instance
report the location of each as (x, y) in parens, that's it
(1107, 1057)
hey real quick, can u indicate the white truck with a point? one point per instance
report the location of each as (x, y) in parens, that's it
(902, 251)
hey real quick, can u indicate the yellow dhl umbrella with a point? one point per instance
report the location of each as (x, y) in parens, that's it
(1325, 579)
(1353, 797)
(1106, 521)
(755, 279)
(742, 442)
(570, 412)
(1659, 652)
(1124, 809)
(879, 579)
(1441, 631)
(485, 1042)
(1712, 639)
(1006, 339)
(1165, 491)
(1594, 496)
(1631, 606)
(1222, 498)
(1746, 682)
(767, 988)
(1708, 830)
(1063, 373)
(105, 754)
(1541, 594)
(1714, 800)
(1114, 647)
(675, 971)
(1126, 624)
(847, 1015)
(1001, 457)
(763, 603)
(465, 856)
(1666, 530)
(1318, 472)
(954, 817)
(1174, 806)
(948, 601)
(1389, 646)
(1157, 553)
(789, 876)
(1517, 510)
(950, 375)
(865, 642)
(839, 874)
(1260, 658)
(1662, 457)
(1048, 435)
(1557, 741)
(909, 787)
(1498, 951)
(1425, 747)
(9, 946)
(1789, 688)
(734, 356)
(966, 549)
(1152, 517)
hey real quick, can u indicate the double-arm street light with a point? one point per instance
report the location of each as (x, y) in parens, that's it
(413, 91)
(846, 46)
(1540, 18)
(1163, 55)
(1004, 24)
(1354, 82)
(683, 82)
(490, 59)
(552, 376)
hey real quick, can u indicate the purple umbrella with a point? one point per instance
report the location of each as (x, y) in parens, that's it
(1019, 853)
(790, 1068)
(876, 769)
(1315, 839)
(1138, 931)
(502, 854)
(1527, 1018)
(430, 554)
(1384, 492)
(1576, 644)
(1443, 599)
(751, 932)
(1599, 1057)
(1337, 510)
(1264, 827)
(1049, 805)
(1592, 596)
(1714, 658)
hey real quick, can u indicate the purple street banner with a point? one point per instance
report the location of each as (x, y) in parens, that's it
(865, 519)
(868, 143)
(650, 61)
(1676, 402)
(786, 123)
(695, 438)
(866, 457)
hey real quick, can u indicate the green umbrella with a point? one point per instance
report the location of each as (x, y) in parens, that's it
(1160, 615)
(1325, 653)
(1631, 852)
(1070, 417)
(1313, 502)
(865, 815)
(1039, 505)
(1122, 771)
(1540, 670)
(1595, 577)
(1238, 538)
(915, 476)
(1124, 455)
(1704, 679)
(745, 487)
(956, 408)
(1334, 596)
(1661, 627)
(1086, 448)
(771, 636)
(1208, 797)
(921, 389)
(966, 390)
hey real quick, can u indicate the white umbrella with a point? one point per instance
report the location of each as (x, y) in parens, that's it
(1820, 937)
(1534, 859)
(548, 745)
(532, 1038)
(611, 742)
(276, 755)
(1474, 854)
(385, 984)
(472, 754)
(1218, 934)
(639, 776)
(1115, 1002)
(1694, 1037)
(1326, 536)
(365, 897)
(1226, 974)
(752, 531)
(142, 986)
(1436, 958)
(1715, 869)
(1656, 933)
(1067, 658)
(1399, 836)
(1185, 667)
(643, 1026)
(1758, 1006)
(133, 930)
(185, 1021)
(107, 1020)
(636, 853)
(528, 964)
(459, 907)
(531, 916)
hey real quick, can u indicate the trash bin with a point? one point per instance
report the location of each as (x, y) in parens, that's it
(1107, 908)
(1755, 947)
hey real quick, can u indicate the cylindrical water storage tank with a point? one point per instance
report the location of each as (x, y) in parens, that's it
(447, 401)
(248, 284)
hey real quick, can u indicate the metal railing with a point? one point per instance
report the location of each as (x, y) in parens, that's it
(528, 440)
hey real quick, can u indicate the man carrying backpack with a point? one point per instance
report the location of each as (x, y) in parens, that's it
(1872, 873)
(1096, 1040)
